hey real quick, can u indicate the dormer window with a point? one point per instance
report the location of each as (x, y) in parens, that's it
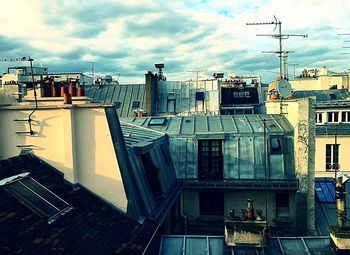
(276, 145)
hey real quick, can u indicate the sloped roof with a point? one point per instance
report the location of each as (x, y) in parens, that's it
(329, 130)
(237, 124)
(324, 95)
(92, 227)
(125, 94)
(136, 135)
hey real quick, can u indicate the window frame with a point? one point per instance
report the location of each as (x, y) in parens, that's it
(332, 157)
(331, 116)
(319, 118)
(213, 159)
(32, 194)
(276, 152)
(282, 201)
(345, 116)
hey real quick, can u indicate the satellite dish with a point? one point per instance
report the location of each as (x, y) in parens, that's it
(284, 88)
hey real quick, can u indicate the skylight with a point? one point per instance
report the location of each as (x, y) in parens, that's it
(36, 197)
(157, 122)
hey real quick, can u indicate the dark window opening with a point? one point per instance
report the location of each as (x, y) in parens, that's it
(210, 160)
(152, 175)
(332, 116)
(282, 204)
(37, 198)
(276, 145)
(135, 104)
(332, 96)
(332, 156)
(117, 104)
(200, 96)
(211, 203)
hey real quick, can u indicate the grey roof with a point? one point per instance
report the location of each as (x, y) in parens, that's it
(324, 95)
(139, 136)
(125, 94)
(201, 245)
(328, 129)
(238, 124)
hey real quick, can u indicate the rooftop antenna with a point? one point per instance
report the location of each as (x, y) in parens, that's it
(294, 65)
(92, 69)
(280, 37)
(197, 71)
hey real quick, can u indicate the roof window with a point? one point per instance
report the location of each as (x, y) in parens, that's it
(157, 122)
(135, 104)
(35, 196)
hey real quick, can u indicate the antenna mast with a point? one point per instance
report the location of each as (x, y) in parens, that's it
(281, 54)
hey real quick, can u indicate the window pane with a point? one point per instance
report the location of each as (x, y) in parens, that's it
(329, 116)
(336, 115)
(31, 199)
(343, 116)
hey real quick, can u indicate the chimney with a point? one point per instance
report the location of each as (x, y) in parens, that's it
(151, 93)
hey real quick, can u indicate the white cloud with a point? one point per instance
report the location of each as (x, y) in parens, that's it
(129, 36)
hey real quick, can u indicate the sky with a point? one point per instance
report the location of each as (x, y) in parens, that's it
(126, 38)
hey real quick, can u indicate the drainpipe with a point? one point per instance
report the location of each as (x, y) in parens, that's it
(184, 216)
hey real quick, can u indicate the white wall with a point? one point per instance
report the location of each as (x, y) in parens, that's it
(75, 140)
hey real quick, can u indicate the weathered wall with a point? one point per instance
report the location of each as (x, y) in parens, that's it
(301, 114)
(75, 140)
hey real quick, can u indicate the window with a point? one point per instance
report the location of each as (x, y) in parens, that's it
(332, 117)
(200, 95)
(333, 96)
(157, 121)
(282, 204)
(332, 157)
(276, 145)
(37, 198)
(171, 96)
(152, 175)
(211, 203)
(210, 159)
(318, 117)
(117, 104)
(345, 117)
(135, 104)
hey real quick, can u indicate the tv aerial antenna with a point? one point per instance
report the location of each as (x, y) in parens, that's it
(280, 36)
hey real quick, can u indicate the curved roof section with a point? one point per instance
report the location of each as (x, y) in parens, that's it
(236, 124)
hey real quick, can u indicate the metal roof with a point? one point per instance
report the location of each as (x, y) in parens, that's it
(136, 135)
(328, 129)
(238, 124)
(324, 95)
(122, 95)
(201, 245)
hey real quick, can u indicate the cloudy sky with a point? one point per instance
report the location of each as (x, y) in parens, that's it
(128, 37)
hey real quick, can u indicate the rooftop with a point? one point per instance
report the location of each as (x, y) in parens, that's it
(196, 125)
(92, 227)
(125, 97)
